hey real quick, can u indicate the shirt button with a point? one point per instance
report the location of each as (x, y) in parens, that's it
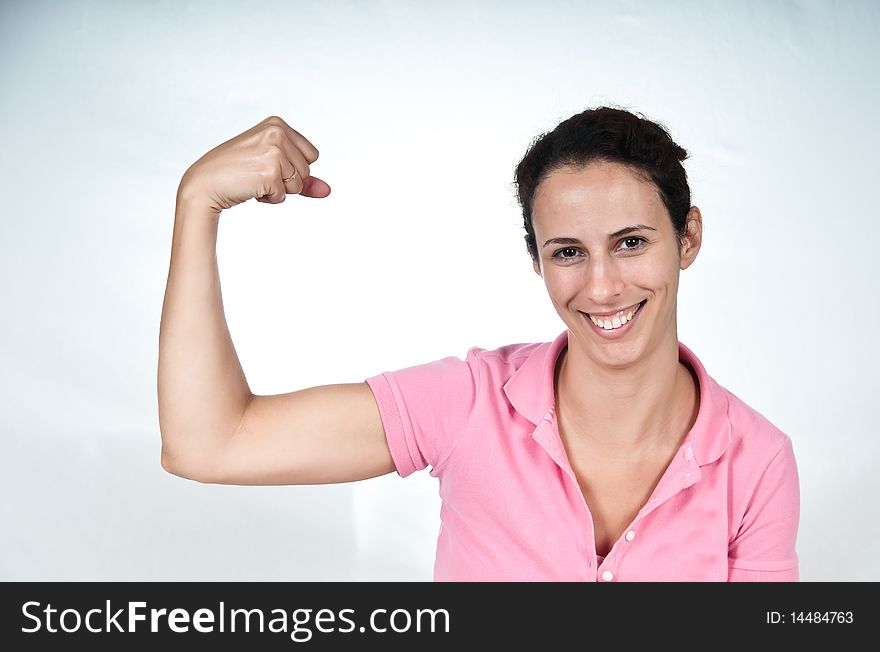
(630, 535)
(607, 576)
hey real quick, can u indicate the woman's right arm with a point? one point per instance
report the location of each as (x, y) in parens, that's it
(213, 428)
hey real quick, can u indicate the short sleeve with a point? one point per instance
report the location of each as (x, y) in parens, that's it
(764, 547)
(426, 409)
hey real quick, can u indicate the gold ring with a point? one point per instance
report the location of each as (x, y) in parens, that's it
(290, 177)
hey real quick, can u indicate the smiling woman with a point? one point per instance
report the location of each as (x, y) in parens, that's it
(608, 454)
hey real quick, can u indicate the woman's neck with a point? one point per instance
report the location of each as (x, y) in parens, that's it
(625, 410)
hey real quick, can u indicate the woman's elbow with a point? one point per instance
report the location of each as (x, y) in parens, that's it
(176, 465)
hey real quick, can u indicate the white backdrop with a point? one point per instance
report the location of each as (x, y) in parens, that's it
(420, 111)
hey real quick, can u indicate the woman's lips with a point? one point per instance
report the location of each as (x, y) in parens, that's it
(620, 331)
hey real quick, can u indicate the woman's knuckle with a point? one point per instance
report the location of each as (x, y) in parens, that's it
(273, 134)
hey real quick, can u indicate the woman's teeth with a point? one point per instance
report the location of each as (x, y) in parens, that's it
(615, 322)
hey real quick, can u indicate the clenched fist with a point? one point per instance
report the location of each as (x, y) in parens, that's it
(267, 162)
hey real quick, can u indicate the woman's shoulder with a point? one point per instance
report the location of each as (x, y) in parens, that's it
(752, 434)
(531, 362)
(518, 353)
(508, 353)
(732, 423)
(745, 418)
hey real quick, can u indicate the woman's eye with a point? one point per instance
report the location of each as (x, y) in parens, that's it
(636, 243)
(566, 254)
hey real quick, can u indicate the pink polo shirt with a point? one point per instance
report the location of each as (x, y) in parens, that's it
(726, 509)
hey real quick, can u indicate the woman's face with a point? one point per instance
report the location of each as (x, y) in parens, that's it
(607, 249)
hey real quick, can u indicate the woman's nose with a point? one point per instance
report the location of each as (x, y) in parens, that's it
(603, 281)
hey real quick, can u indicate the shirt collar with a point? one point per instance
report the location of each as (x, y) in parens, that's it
(530, 392)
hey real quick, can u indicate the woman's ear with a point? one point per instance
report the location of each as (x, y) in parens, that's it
(693, 237)
(536, 263)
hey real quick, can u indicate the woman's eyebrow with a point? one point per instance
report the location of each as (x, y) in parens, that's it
(611, 236)
(630, 229)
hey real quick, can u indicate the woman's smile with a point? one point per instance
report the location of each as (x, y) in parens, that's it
(614, 325)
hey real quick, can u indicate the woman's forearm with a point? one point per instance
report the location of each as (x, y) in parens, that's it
(202, 389)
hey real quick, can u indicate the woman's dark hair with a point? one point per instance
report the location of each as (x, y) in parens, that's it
(610, 135)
